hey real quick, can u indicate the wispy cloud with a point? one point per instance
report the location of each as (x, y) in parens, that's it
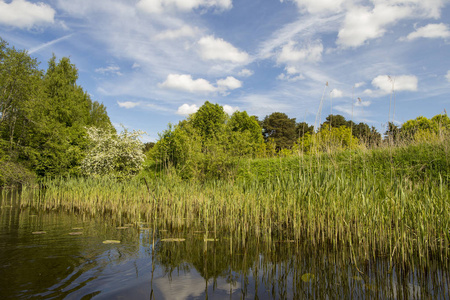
(48, 44)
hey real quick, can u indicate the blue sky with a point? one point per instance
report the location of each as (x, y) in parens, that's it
(153, 62)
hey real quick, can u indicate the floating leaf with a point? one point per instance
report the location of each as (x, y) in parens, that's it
(173, 240)
(39, 232)
(75, 233)
(211, 240)
(307, 277)
(111, 242)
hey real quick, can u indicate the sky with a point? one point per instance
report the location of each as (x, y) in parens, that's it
(154, 62)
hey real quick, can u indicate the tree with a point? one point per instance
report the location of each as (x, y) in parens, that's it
(282, 129)
(119, 155)
(208, 120)
(303, 128)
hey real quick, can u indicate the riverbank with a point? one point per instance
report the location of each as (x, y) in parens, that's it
(393, 202)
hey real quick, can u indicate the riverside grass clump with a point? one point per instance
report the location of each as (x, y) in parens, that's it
(390, 202)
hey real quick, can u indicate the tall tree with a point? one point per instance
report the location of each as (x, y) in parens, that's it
(281, 129)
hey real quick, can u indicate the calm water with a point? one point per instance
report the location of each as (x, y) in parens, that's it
(71, 261)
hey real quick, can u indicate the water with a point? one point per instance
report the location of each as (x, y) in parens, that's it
(70, 261)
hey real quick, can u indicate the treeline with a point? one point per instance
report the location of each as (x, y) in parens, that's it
(43, 117)
(49, 126)
(211, 144)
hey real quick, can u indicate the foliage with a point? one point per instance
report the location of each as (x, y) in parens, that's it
(279, 127)
(208, 144)
(118, 155)
(44, 114)
(326, 140)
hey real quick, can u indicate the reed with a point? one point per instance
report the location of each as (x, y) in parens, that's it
(394, 203)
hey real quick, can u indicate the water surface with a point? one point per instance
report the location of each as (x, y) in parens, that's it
(60, 255)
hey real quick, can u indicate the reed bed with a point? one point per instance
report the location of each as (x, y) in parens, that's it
(397, 211)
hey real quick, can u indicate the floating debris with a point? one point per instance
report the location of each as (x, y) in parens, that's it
(308, 277)
(211, 240)
(173, 240)
(123, 227)
(77, 228)
(39, 232)
(111, 242)
(75, 233)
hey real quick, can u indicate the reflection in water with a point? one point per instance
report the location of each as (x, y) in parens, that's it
(188, 263)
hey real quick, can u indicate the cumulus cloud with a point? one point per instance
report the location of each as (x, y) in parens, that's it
(172, 34)
(359, 84)
(218, 49)
(24, 14)
(229, 109)
(385, 84)
(291, 74)
(309, 53)
(128, 104)
(335, 93)
(160, 6)
(187, 84)
(318, 6)
(361, 103)
(245, 73)
(363, 23)
(229, 83)
(187, 109)
(430, 31)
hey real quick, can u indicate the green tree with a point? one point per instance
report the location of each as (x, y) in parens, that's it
(303, 128)
(209, 120)
(282, 129)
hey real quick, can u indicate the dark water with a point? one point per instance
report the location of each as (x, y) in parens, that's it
(70, 261)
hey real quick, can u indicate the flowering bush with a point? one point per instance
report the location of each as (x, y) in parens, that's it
(119, 155)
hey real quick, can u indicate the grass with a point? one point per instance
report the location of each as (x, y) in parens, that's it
(389, 202)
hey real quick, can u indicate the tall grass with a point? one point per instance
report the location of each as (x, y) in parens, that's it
(393, 203)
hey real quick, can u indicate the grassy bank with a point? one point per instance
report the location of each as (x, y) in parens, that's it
(392, 202)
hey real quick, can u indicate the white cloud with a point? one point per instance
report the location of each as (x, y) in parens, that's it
(172, 34)
(45, 45)
(318, 6)
(310, 53)
(229, 109)
(160, 6)
(110, 69)
(430, 31)
(229, 83)
(362, 24)
(128, 104)
(386, 83)
(361, 103)
(218, 49)
(335, 93)
(291, 75)
(187, 109)
(24, 14)
(359, 84)
(187, 84)
(245, 73)
(448, 76)
(135, 66)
